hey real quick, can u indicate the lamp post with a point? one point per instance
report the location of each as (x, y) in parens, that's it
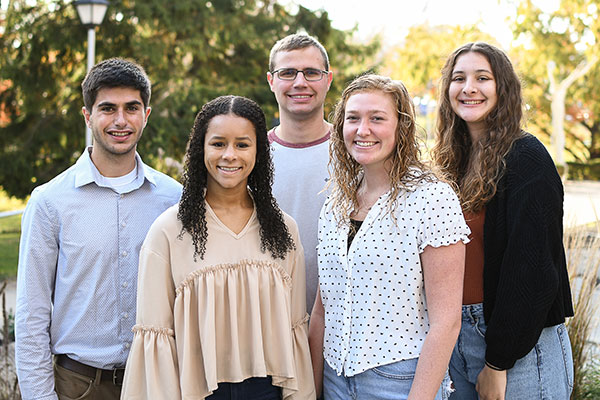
(91, 13)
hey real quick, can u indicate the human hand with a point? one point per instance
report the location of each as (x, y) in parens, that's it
(491, 384)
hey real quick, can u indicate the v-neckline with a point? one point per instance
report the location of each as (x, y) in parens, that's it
(225, 227)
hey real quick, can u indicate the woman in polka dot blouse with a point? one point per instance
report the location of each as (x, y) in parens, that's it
(513, 343)
(391, 256)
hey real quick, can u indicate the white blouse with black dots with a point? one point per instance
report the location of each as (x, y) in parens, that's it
(373, 293)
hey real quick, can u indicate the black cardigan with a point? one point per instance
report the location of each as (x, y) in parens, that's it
(525, 279)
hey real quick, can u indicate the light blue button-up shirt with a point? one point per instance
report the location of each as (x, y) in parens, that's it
(78, 264)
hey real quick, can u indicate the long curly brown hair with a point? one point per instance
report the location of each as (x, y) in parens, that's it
(477, 167)
(274, 234)
(406, 168)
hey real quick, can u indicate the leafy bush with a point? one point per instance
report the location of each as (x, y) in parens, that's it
(590, 389)
(584, 171)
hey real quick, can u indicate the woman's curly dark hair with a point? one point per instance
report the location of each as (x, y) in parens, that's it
(274, 234)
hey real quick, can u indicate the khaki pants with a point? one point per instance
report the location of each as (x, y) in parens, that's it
(70, 385)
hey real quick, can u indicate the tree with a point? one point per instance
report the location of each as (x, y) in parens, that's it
(556, 50)
(193, 51)
(419, 59)
(558, 94)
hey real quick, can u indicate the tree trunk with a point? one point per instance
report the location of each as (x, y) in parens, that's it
(558, 93)
(558, 126)
(595, 140)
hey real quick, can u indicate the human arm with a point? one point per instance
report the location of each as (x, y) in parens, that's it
(38, 255)
(443, 272)
(316, 329)
(525, 282)
(152, 367)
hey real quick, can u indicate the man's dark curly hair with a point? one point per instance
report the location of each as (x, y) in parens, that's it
(115, 72)
(274, 234)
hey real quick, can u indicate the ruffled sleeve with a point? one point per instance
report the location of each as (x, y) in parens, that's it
(305, 386)
(152, 367)
(442, 222)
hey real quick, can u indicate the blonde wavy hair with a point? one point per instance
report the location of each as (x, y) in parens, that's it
(477, 167)
(406, 168)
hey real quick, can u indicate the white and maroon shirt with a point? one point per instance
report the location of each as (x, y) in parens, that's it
(300, 176)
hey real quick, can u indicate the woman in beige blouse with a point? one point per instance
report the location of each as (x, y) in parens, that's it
(221, 308)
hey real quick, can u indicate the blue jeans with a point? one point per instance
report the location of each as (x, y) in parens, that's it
(386, 382)
(545, 373)
(250, 389)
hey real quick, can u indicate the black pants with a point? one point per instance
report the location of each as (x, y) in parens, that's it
(250, 389)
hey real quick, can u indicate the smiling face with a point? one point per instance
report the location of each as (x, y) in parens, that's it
(300, 98)
(229, 152)
(370, 123)
(472, 91)
(117, 120)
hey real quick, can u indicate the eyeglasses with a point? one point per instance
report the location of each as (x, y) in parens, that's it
(310, 74)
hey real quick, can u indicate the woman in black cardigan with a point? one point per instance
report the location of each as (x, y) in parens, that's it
(513, 343)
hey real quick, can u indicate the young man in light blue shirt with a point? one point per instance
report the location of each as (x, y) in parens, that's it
(78, 257)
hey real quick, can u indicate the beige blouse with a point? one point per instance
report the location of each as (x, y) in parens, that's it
(237, 313)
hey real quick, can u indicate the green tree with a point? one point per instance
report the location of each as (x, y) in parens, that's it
(193, 51)
(558, 53)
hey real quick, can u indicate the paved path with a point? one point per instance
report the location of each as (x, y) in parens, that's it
(9, 213)
(582, 202)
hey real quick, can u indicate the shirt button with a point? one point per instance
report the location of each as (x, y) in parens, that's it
(121, 196)
(123, 224)
(124, 254)
(124, 284)
(125, 315)
(127, 345)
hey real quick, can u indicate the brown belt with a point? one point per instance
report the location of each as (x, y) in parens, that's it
(114, 375)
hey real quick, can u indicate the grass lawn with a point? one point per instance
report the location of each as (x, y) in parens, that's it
(10, 231)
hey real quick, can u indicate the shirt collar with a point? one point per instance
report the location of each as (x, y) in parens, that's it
(86, 172)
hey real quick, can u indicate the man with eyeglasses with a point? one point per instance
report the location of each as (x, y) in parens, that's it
(299, 76)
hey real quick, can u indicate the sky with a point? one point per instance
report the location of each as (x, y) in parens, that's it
(392, 18)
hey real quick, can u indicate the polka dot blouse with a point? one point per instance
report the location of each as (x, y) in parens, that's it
(373, 293)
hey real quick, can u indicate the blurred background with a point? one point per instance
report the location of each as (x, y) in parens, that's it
(195, 50)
